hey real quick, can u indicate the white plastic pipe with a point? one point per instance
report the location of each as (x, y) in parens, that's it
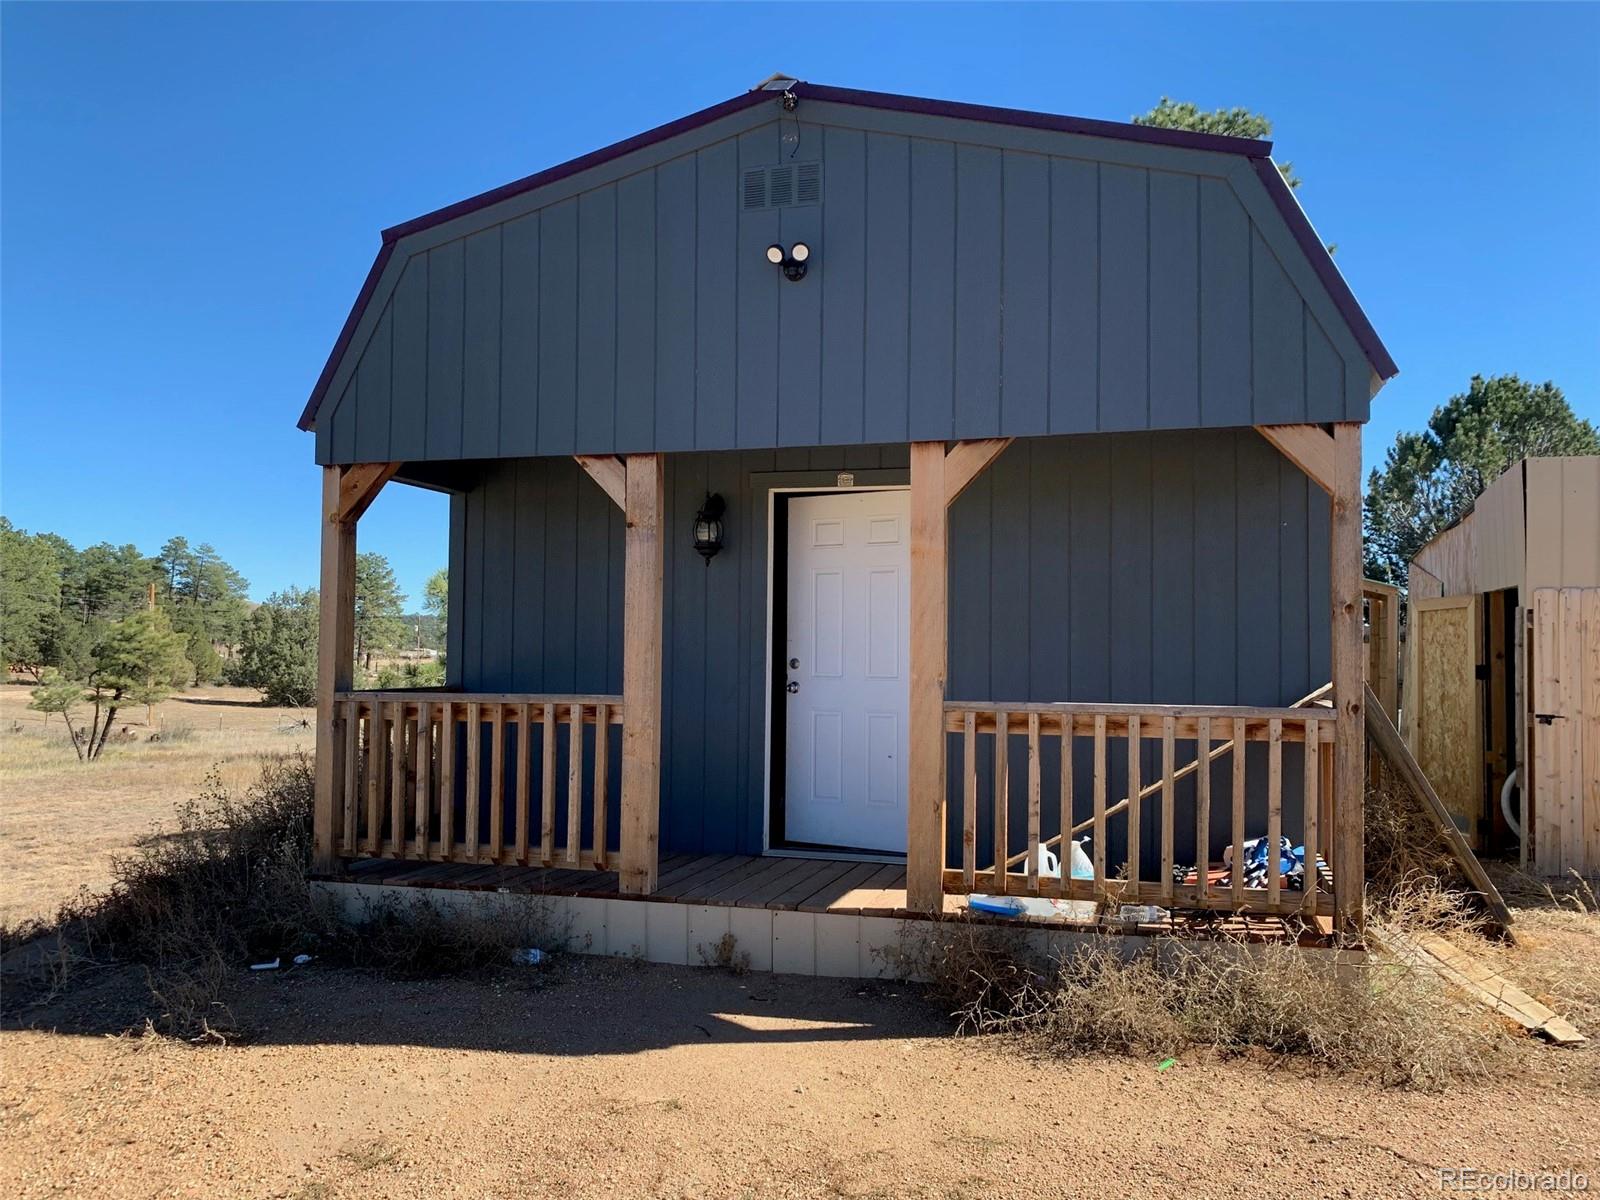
(1505, 803)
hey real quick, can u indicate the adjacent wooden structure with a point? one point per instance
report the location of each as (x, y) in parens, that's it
(1133, 460)
(1503, 664)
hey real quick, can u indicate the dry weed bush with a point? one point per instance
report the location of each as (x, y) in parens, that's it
(189, 905)
(1376, 1019)
(1405, 852)
(194, 906)
(418, 939)
(725, 955)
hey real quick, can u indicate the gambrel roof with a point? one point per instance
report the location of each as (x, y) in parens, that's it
(993, 271)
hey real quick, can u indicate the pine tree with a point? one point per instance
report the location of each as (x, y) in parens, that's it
(30, 599)
(1225, 122)
(278, 650)
(380, 608)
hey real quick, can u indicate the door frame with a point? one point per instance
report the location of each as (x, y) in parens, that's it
(773, 602)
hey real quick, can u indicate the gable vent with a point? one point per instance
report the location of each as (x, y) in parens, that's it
(787, 186)
(780, 182)
(808, 183)
(755, 188)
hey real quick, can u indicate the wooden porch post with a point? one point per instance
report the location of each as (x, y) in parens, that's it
(347, 492)
(1349, 746)
(335, 657)
(925, 833)
(1333, 463)
(937, 478)
(641, 677)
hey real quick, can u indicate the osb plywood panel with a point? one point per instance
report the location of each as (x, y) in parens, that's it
(1566, 730)
(1563, 522)
(1447, 734)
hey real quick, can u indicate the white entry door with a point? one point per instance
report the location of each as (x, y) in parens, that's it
(847, 671)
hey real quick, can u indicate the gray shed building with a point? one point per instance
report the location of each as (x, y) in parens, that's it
(803, 451)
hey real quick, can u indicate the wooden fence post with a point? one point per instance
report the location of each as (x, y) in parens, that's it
(640, 829)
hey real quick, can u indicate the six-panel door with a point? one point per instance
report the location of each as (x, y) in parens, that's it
(846, 670)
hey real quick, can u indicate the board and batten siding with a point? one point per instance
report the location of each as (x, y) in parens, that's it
(967, 280)
(1141, 567)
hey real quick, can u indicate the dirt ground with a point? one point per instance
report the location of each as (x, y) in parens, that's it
(60, 820)
(607, 1078)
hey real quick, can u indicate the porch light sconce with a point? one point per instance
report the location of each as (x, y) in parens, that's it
(793, 262)
(708, 527)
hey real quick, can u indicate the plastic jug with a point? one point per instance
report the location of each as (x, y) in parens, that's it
(1082, 868)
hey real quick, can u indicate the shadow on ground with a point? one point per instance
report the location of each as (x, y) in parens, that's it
(573, 1005)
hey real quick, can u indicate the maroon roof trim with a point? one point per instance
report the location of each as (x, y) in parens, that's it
(345, 334)
(1028, 119)
(572, 166)
(1322, 263)
(1257, 151)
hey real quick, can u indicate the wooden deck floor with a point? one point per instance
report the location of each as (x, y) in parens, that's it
(812, 885)
(746, 881)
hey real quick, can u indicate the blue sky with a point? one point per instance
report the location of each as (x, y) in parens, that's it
(192, 194)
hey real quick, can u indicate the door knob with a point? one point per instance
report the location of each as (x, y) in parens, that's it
(791, 687)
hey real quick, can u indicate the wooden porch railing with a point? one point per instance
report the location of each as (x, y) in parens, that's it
(464, 777)
(1088, 733)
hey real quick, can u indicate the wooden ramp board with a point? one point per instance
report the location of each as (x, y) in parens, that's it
(1478, 981)
(1387, 739)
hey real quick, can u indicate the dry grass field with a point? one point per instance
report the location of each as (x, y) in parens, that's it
(61, 820)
